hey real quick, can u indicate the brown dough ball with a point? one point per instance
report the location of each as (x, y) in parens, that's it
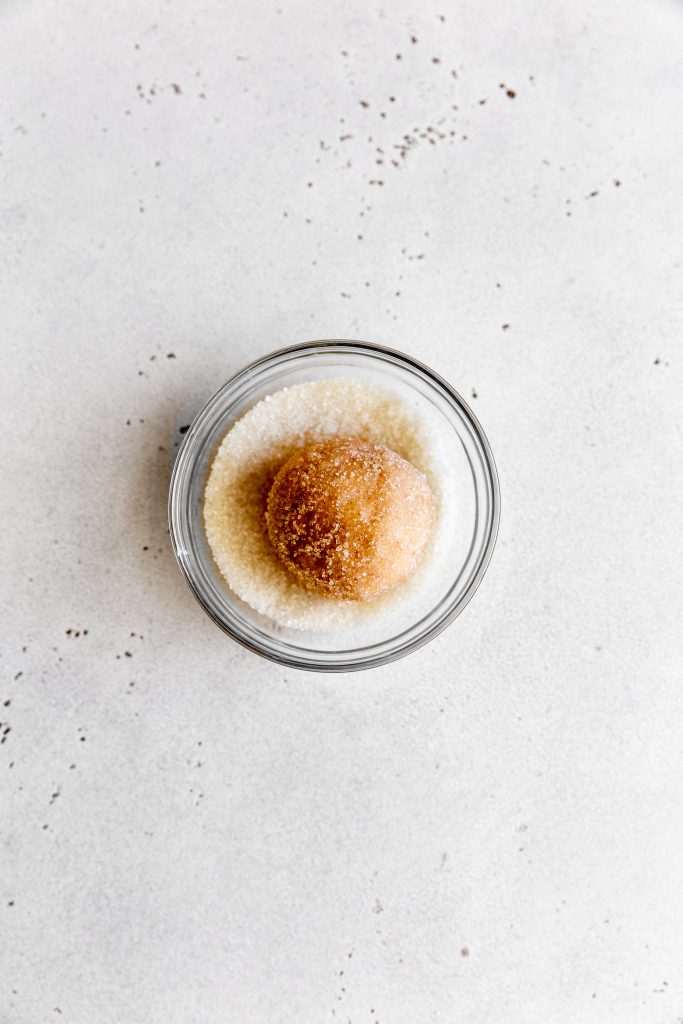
(349, 519)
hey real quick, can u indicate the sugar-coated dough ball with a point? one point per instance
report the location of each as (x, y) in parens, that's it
(350, 519)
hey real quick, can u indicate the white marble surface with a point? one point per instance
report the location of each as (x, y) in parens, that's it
(491, 830)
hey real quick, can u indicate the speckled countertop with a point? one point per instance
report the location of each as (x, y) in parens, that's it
(491, 830)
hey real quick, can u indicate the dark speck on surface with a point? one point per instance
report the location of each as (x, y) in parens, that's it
(506, 327)
(176, 88)
(364, 103)
(184, 430)
(474, 393)
(465, 951)
(510, 93)
(170, 355)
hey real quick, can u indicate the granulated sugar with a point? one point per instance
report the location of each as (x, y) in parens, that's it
(243, 470)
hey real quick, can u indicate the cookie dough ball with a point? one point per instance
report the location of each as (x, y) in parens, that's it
(350, 519)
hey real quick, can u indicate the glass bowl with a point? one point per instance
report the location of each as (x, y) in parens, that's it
(442, 594)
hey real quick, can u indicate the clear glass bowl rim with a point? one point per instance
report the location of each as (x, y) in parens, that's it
(486, 551)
